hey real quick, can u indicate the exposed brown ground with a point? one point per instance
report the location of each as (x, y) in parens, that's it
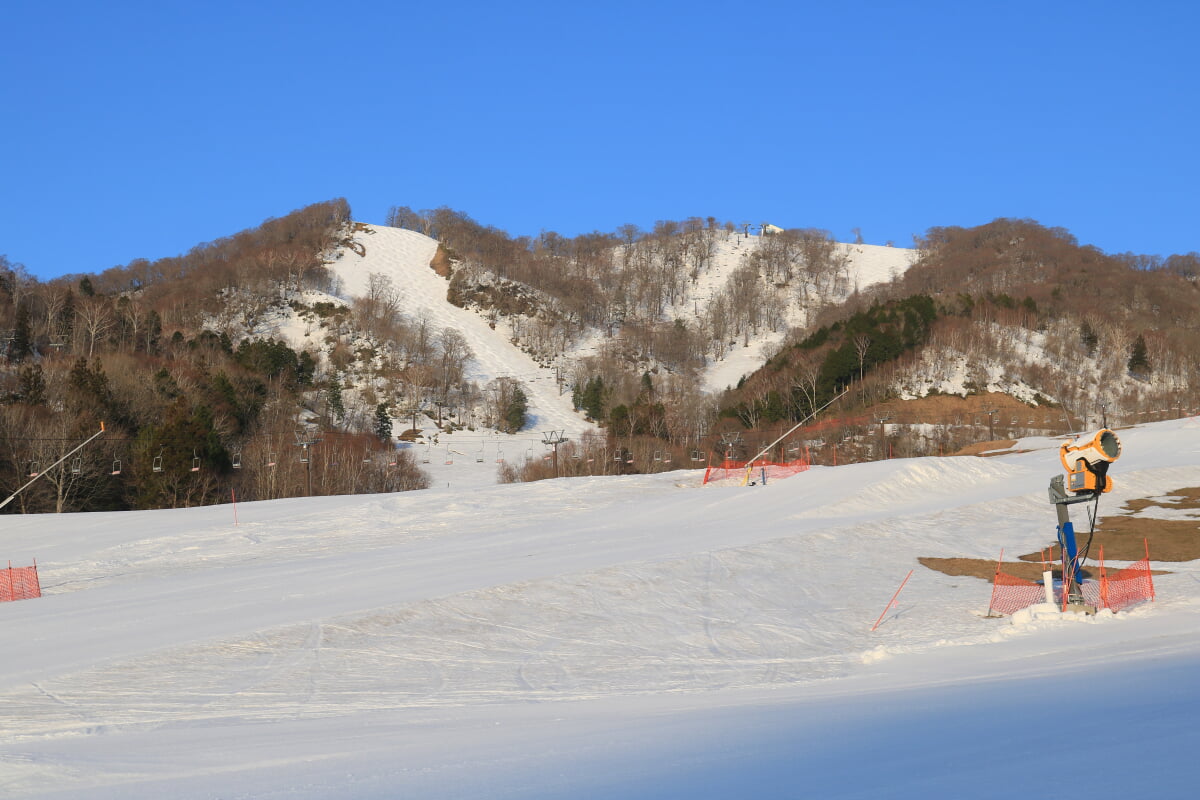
(986, 568)
(1187, 498)
(973, 410)
(441, 262)
(988, 449)
(1123, 538)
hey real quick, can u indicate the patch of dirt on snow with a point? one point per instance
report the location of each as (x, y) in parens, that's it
(1187, 498)
(986, 568)
(441, 262)
(987, 449)
(1123, 537)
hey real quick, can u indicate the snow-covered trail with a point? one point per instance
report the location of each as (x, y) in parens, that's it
(404, 256)
(866, 265)
(513, 624)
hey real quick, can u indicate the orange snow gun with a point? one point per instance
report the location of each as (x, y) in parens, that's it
(1087, 459)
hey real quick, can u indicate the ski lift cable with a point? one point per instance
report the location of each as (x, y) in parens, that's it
(85, 443)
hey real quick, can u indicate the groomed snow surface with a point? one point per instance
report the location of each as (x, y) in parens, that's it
(620, 637)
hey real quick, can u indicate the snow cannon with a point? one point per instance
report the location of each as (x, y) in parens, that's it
(1087, 459)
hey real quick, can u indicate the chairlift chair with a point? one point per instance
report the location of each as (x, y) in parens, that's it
(116, 470)
(76, 465)
(157, 464)
(425, 455)
(195, 462)
(33, 469)
(449, 457)
(237, 460)
(658, 455)
(499, 454)
(304, 455)
(270, 459)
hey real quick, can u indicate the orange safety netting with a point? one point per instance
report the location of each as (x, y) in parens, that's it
(1129, 586)
(1010, 594)
(758, 470)
(19, 583)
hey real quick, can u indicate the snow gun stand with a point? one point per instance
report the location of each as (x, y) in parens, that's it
(1086, 462)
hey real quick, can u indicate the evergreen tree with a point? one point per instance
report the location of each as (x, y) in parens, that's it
(1088, 338)
(590, 398)
(32, 386)
(22, 343)
(153, 332)
(306, 366)
(64, 325)
(514, 415)
(383, 423)
(1139, 359)
(333, 396)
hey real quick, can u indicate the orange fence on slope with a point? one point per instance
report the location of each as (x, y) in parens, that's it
(19, 583)
(760, 470)
(1127, 587)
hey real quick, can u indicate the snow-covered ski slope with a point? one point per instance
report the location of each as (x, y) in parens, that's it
(866, 265)
(638, 636)
(404, 256)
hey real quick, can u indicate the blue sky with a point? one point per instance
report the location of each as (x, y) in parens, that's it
(142, 129)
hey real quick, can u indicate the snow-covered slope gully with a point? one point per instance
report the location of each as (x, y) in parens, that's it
(404, 257)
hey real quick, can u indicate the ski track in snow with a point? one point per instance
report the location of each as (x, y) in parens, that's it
(562, 591)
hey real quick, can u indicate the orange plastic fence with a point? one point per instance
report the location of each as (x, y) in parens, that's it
(1010, 594)
(19, 583)
(737, 469)
(1129, 586)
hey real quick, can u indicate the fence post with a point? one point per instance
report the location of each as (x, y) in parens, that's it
(893, 600)
(1149, 577)
(995, 579)
(1103, 581)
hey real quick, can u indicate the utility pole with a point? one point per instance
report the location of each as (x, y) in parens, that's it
(554, 438)
(991, 424)
(882, 436)
(305, 441)
(729, 441)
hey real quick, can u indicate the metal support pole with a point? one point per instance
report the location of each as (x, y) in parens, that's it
(797, 426)
(1072, 569)
(1066, 541)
